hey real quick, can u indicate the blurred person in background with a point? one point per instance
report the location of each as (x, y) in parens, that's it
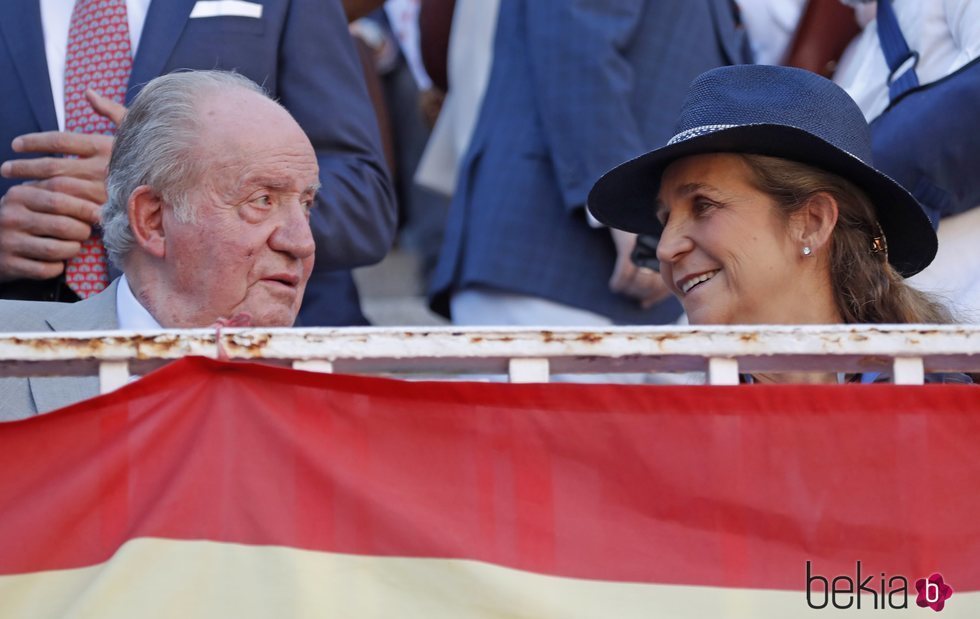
(457, 48)
(392, 35)
(810, 34)
(574, 87)
(771, 26)
(915, 73)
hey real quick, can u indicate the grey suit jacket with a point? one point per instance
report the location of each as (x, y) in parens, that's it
(24, 397)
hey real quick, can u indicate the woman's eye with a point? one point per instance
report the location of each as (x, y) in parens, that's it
(703, 206)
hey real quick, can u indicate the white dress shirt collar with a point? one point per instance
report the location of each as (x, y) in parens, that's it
(130, 313)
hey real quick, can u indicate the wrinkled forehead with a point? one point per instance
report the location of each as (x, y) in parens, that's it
(687, 174)
(247, 132)
(245, 120)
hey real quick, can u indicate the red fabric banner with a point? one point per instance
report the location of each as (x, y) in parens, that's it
(715, 486)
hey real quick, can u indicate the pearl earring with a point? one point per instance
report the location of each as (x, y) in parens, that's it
(806, 250)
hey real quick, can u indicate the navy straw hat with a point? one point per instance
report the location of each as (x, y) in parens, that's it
(780, 112)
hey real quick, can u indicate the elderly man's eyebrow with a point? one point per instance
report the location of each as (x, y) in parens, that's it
(279, 183)
(271, 182)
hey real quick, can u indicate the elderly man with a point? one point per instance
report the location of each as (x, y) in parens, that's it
(53, 51)
(210, 188)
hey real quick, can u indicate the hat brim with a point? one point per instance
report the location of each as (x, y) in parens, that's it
(624, 197)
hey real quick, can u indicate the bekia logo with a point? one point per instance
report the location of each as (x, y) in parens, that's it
(932, 592)
(879, 591)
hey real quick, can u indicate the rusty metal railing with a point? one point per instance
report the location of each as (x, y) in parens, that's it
(522, 355)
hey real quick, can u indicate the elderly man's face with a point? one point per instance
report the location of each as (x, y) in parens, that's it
(249, 249)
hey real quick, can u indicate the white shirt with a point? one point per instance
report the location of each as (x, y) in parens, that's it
(946, 33)
(130, 313)
(469, 61)
(55, 20)
(403, 16)
(771, 25)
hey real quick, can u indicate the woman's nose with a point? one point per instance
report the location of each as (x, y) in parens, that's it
(674, 242)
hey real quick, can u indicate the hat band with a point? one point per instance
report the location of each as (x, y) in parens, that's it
(696, 131)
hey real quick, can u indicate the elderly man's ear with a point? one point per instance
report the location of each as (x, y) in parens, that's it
(815, 222)
(146, 220)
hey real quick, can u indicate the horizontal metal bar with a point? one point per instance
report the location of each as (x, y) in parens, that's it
(455, 350)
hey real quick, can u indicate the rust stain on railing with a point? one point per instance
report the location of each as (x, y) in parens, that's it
(868, 344)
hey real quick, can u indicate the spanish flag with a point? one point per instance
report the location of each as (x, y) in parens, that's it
(212, 489)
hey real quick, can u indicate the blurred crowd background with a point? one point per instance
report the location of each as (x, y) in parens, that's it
(496, 118)
(452, 81)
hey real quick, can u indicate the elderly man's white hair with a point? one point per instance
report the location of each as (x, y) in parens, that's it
(154, 146)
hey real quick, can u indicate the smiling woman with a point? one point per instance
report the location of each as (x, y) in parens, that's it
(769, 209)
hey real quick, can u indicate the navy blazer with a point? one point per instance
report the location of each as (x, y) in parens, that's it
(576, 87)
(301, 52)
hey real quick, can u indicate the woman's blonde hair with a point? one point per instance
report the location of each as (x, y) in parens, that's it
(867, 289)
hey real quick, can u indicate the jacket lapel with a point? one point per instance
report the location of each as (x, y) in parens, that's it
(97, 313)
(733, 38)
(20, 28)
(54, 392)
(164, 23)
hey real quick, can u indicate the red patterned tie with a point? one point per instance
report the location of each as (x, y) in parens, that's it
(98, 57)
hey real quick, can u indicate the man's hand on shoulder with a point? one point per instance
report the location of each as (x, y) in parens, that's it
(44, 220)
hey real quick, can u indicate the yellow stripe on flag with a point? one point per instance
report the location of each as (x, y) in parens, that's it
(169, 578)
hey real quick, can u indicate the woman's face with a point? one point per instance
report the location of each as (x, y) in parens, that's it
(726, 251)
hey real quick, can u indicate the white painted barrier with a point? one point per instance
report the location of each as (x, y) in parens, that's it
(525, 355)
